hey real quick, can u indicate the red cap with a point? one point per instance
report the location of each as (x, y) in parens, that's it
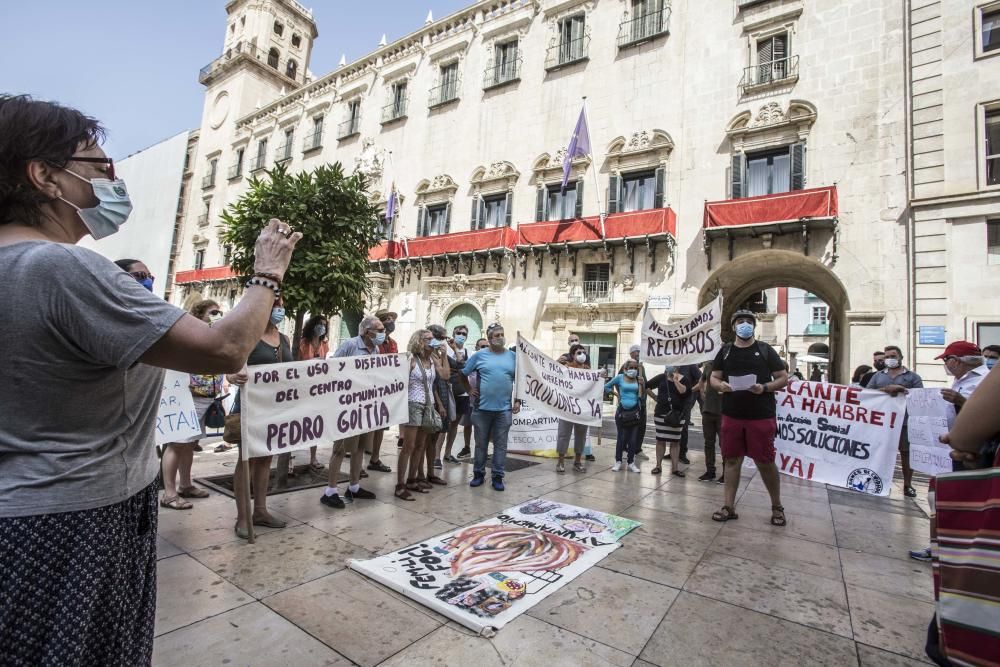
(960, 348)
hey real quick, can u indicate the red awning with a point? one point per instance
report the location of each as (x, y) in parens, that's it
(202, 275)
(617, 226)
(479, 240)
(783, 207)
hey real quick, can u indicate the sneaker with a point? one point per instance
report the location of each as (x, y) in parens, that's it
(560, 467)
(438, 465)
(910, 492)
(708, 476)
(721, 480)
(617, 466)
(642, 456)
(477, 479)
(579, 467)
(498, 484)
(633, 468)
(590, 457)
(684, 459)
(451, 459)
(923, 555)
(361, 494)
(334, 501)
(465, 453)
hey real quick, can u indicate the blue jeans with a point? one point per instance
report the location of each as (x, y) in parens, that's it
(490, 425)
(628, 438)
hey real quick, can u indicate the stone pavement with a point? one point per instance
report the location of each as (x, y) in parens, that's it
(834, 587)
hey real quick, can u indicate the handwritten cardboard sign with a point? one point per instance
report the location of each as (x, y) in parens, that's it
(690, 341)
(928, 418)
(286, 407)
(176, 420)
(573, 394)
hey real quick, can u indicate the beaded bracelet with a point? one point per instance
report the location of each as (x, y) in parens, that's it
(269, 276)
(265, 282)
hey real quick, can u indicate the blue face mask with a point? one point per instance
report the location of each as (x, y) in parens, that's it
(380, 338)
(277, 315)
(147, 283)
(112, 210)
(632, 372)
(744, 330)
(435, 343)
(319, 330)
(990, 363)
(460, 340)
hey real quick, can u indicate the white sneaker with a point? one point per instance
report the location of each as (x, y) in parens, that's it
(633, 468)
(617, 466)
(642, 456)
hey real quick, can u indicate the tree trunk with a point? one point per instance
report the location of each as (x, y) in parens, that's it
(300, 316)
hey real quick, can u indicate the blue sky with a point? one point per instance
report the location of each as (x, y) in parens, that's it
(134, 64)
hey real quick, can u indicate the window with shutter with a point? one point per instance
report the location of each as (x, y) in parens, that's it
(638, 191)
(447, 217)
(772, 58)
(474, 216)
(541, 199)
(614, 193)
(494, 211)
(422, 221)
(768, 172)
(578, 206)
(509, 208)
(661, 183)
(562, 204)
(798, 158)
(736, 177)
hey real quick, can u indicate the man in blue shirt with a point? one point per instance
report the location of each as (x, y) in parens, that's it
(492, 412)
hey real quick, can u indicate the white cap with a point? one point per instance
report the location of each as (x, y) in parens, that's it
(634, 348)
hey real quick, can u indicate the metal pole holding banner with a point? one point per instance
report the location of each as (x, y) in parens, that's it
(597, 184)
(243, 499)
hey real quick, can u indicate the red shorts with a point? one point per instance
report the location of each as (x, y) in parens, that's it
(748, 437)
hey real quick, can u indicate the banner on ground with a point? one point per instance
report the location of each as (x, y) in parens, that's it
(692, 340)
(838, 435)
(928, 418)
(573, 394)
(533, 433)
(487, 574)
(176, 420)
(295, 405)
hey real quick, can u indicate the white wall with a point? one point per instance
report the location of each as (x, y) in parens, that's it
(153, 179)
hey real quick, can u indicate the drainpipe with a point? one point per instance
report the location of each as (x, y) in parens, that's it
(911, 301)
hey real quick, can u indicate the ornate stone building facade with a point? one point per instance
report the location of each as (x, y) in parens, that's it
(737, 146)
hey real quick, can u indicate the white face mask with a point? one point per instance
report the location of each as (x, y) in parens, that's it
(112, 210)
(892, 363)
(581, 357)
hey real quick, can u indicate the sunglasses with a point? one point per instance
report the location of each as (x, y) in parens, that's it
(99, 160)
(142, 275)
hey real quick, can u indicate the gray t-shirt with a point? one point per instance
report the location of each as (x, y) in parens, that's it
(77, 413)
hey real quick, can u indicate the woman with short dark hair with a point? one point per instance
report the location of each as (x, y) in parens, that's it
(83, 364)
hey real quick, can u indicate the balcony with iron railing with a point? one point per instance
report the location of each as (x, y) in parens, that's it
(565, 53)
(208, 182)
(349, 128)
(284, 153)
(250, 53)
(642, 28)
(502, 74)
(313, 141)
(784, 71)
(235, 171)
(591, 291)
(395, 110)
(818, 329)
(443, 94)
(258, 162)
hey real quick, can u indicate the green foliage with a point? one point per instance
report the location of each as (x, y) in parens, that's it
(339, 225)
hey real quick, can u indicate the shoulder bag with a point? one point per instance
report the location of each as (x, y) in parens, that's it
(431, 421)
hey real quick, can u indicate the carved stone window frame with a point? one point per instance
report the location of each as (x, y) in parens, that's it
(642, 150)
(547, 169)
(495, 178)
(771, 126)
(439, 190)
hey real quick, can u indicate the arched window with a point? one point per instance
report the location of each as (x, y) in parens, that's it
(272, 58)
(296, 40)
(291, 69)
(278, 28)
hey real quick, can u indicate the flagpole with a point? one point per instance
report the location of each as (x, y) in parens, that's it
(597, 183)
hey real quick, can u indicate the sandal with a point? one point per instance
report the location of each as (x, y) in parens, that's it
(778, 516)
(175, 503)
(725, 514)
(402, 493)
(316, 466)
(379, 466)
(423, 483)
(678, 473)
(560, 467)
(224, 447)
(579, 467)
(413, 486)
(434, 479)
(655, 471)
(192, 492)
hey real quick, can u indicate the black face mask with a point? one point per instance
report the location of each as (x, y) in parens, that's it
(880, 365)
(390, 326)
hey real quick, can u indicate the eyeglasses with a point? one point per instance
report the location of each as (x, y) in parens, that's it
(142, 275)
(948, 358)
(215, 312)
(99, 160)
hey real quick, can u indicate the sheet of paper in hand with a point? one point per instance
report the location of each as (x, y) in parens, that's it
(928, 418)
(487, 574)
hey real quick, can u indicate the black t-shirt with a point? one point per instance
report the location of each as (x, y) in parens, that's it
(667, 396)
(760, 360)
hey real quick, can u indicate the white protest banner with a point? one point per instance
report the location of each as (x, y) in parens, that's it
(177, 420)
(532, 433)
(487, 574)
(690, 341)
(295, 405)
(838, 435)
(573, 394)
(928, 418)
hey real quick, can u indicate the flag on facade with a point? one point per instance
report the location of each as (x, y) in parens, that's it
(390, 205)
(579, 146)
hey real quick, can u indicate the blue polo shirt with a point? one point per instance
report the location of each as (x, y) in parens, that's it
(496, 378)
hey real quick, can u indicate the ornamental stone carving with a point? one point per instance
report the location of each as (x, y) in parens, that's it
(628, 282)
(769, 114)
(637, 142)
(371, 162)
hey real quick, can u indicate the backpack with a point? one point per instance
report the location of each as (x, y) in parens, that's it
(762, 351)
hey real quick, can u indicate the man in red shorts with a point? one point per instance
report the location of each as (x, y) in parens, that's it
(748, 411)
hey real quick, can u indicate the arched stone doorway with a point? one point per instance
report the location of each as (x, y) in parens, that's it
(757, 271)
(465, 314)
